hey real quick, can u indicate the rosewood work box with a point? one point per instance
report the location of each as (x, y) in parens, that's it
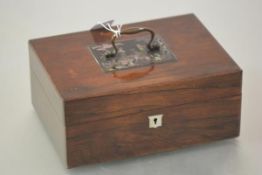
(117, 92)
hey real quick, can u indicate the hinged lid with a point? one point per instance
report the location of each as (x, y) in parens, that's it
(76, 74)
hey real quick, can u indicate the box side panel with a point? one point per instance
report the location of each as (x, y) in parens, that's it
(50, 110)
(48, 86)
(47, 114)
(130, 135)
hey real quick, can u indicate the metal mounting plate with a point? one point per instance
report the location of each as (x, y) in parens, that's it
(132, 53)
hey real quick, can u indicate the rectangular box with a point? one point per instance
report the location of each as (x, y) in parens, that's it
(93, 116)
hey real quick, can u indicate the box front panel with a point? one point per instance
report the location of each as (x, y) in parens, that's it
(152, 97)
(158, 130)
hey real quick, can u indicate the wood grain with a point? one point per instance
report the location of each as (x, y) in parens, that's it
(154, 97)
(130, 136)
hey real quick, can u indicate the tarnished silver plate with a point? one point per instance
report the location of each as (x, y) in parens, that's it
(132, 53)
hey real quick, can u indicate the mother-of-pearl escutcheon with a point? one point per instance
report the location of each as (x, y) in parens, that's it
(155, 121)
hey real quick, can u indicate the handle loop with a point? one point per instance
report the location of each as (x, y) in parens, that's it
(130, 31)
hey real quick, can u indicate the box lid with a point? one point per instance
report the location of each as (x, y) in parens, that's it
(76, 74)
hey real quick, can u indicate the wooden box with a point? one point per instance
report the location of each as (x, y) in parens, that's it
(95, 116)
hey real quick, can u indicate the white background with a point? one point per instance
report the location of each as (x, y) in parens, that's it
(24, 145)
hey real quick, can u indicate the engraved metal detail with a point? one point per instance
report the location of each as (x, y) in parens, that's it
(131, 53)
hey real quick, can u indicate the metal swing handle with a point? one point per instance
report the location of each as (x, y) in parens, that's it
(130, 31)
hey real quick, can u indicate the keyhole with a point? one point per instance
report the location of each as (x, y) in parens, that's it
(155, 120)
